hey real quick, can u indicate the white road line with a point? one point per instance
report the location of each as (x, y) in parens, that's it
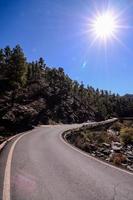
(89, 156)
(7, 176)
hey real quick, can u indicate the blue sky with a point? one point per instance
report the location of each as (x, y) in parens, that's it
(58, 31)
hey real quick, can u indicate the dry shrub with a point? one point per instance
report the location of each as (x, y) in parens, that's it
(126, 135)
(96, 136)
(116, 126)
(111, 136)
(118, 158)
(128, 123)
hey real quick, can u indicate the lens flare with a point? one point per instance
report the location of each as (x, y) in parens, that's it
(104, 26)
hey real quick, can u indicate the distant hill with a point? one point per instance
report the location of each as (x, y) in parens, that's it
(129, 96)
(32, 93)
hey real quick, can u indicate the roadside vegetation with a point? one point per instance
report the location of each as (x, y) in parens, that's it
(126, 135)
(113, 144)
(32, 93)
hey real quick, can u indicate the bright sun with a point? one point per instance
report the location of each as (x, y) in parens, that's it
(104, 26)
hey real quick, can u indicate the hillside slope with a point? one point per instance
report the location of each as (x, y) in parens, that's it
(33, 93)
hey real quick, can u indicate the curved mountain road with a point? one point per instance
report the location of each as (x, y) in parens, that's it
(42, 167)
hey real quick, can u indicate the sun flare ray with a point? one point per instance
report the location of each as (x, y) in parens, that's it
(104, 25)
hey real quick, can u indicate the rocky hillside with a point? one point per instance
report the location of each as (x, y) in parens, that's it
(32, 93)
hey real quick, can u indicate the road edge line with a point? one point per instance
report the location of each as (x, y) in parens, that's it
(3, 144)
(63, 139)
(7, 174)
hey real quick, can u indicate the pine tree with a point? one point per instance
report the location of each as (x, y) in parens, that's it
(17, 67)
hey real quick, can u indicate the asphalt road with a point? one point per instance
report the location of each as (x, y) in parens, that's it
(40, 166)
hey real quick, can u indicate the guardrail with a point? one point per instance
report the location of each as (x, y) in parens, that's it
(102, 123)
(89, 125)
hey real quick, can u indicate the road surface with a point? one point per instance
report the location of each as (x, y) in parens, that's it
(40, 166)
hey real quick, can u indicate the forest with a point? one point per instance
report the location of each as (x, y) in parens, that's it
(33, 93)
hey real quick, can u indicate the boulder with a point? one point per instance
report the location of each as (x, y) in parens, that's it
(106, 144)
(116, 146)
(19, 117)
(130, 168)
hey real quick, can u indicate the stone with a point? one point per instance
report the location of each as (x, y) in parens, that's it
(129, 147)
(129, 153)
(106, 144)
(116, 146)
(111, 157)
(106, 151)
(101, 149)
(130, 168)
(130, 157)
(124, 165)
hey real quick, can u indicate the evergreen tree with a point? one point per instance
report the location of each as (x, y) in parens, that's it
(17, 67)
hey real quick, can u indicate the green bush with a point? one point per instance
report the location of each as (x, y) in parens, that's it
(95, 136)
(126, 135)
